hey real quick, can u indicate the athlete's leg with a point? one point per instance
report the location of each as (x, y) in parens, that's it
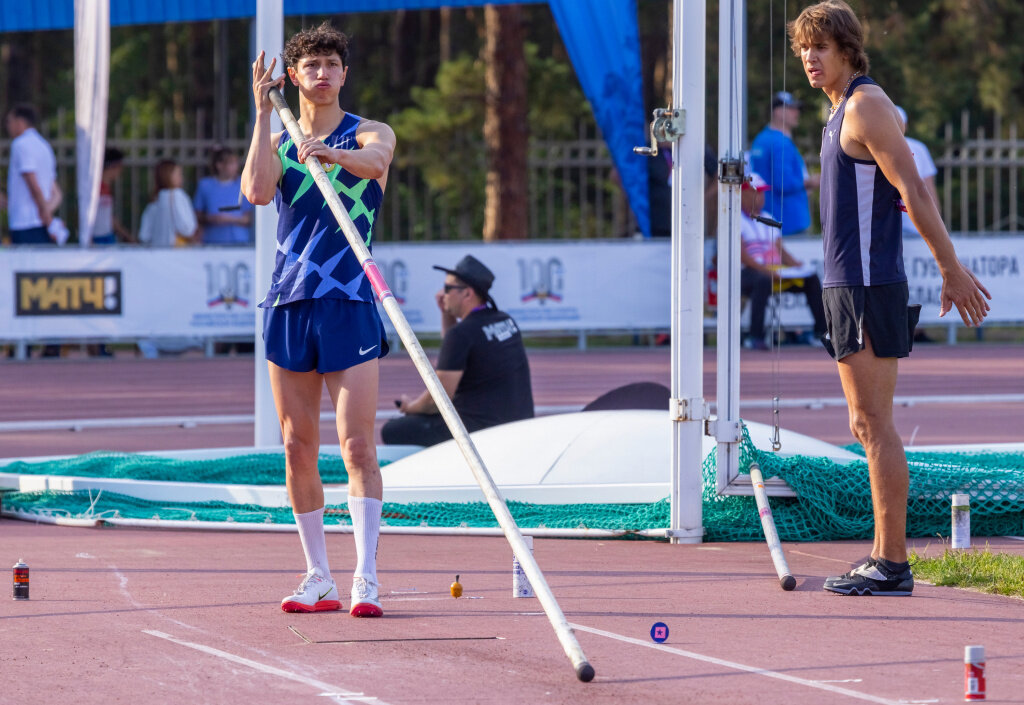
(354, 394)
(354, 397)
(869, 384)
(297, 398)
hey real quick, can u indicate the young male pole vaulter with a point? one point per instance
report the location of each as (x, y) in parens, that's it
(320, 322)
(868, 175)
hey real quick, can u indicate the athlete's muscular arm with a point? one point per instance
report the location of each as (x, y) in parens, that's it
(873, 130)
(377, 148)
(263, 168)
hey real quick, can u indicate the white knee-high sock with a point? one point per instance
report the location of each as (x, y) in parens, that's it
(365, 513)
(314, 543)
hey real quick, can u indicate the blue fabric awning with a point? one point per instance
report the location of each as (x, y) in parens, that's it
(36, 15)
(601, 36)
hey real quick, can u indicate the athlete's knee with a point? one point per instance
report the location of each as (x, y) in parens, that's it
(299, 452)
(358, 452)
(869, 428)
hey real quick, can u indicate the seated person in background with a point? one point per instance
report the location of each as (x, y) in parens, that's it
(765, 260)
(224, 215)
(482, 364)
(168, 220)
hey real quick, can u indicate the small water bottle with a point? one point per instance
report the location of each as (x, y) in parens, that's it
(961, 536)
(520, 583)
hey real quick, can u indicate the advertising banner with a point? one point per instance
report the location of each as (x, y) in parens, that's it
(129, 293)
(51, 293)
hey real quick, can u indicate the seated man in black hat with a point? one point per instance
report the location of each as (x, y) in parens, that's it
(482, 364)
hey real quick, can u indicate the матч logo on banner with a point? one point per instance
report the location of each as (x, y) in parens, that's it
(67, 293)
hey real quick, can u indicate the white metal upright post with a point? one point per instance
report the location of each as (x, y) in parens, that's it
(732, 59)
(687, 403)
(268, 37)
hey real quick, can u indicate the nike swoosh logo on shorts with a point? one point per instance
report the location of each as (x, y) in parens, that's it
(363, 352)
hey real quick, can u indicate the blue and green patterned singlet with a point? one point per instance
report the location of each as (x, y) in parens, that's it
(313, 258)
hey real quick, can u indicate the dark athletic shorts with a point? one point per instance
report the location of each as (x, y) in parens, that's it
(325, 335)
(881, 310)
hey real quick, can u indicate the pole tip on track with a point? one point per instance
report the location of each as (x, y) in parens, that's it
(584, 671)
(788, 582)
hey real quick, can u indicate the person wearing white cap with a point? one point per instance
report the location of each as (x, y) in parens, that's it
(775, 156)
(766, 260)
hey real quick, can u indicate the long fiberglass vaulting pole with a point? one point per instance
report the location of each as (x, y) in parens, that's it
(584, 671)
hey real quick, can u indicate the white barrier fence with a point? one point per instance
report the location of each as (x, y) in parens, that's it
(49, 294)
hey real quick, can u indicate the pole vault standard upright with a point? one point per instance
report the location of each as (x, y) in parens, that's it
(584, 671)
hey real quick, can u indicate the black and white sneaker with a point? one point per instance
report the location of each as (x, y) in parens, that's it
(873, 578)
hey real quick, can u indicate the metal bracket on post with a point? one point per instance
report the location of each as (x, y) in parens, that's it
(732, 171)
(668, 125)
(695, 409)
(723, 430)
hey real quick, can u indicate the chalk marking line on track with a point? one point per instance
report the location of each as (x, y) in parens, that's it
(342, 695)
(819, 685)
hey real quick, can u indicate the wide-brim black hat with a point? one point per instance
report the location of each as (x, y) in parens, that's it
(472, 271)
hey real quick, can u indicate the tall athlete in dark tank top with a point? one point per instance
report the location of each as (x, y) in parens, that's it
(866, 168)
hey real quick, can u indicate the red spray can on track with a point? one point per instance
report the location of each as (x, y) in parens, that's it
(974, 673)
(20, 580)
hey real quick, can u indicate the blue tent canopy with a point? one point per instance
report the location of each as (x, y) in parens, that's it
(601, 36)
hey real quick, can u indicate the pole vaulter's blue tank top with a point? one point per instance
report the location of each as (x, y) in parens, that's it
(860, 214)
(314, 259)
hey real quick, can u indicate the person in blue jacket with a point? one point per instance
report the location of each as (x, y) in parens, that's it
(774, 156)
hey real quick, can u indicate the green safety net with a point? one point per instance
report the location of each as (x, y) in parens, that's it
(833, 501)
(251, 469)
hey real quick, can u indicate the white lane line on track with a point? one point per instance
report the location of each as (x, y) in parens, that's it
(821, 558)
(741, 667)
(341, 695)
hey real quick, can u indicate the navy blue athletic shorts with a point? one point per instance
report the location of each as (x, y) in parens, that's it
(326, 335)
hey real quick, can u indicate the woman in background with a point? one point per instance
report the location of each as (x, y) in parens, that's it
(168, 220)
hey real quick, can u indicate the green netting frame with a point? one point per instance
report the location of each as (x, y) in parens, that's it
(833, 501)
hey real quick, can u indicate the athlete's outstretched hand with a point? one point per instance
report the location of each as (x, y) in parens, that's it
(262, 83)
(961, 288)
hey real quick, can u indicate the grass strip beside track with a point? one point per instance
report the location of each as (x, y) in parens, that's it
(975, 569)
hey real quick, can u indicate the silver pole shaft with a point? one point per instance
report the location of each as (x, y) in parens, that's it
(584, 671)
(764, 509)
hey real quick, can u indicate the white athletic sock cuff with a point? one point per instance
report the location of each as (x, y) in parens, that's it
(365, 513)
(314, 542)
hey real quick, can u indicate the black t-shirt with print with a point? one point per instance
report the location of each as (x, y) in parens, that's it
(495, 385)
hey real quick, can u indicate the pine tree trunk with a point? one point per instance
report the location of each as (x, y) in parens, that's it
(505, 129)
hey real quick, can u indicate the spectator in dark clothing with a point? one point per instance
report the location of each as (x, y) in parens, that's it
(482, 364)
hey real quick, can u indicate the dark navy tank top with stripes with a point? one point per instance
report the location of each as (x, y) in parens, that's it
(860, 214)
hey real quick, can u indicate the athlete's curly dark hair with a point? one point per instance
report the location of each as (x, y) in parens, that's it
(316, 41)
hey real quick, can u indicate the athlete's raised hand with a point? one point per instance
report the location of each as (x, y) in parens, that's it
(262, 82)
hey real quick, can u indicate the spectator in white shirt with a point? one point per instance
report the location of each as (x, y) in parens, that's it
(169, 220)
(31, 180)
